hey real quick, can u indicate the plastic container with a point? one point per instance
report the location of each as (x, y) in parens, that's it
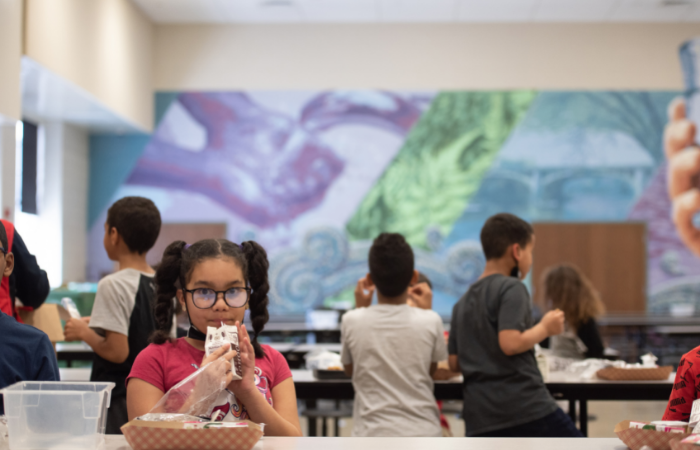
(56, 414)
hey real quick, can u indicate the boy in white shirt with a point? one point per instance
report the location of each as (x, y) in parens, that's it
(122, 317)
(391, 350)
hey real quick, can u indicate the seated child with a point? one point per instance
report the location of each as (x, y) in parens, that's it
(567, 288)
(685, 387)
(26, 354)
(216, 281)
(391, 350)
(122, 316)
(492, 338)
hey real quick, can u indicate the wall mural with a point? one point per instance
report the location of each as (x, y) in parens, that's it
(315, 176)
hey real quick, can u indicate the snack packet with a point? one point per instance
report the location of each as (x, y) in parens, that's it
(205, 425)
(69, 305)
(226, 334)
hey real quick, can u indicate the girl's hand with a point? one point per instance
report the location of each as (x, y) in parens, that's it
(246, 386)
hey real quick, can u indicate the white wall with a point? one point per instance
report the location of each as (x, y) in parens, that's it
(76, 166)
(435, 56)
(57, 234)
(10, 54)
(102, 46)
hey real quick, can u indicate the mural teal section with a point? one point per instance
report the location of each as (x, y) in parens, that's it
(112, 158)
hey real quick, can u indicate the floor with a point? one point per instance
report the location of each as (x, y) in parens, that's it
(603, 416)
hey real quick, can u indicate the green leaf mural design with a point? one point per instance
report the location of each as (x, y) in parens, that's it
(441, 164)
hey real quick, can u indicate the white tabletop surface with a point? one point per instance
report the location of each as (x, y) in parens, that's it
(73, 347)
(321, 443)
(81, 374)
(75, 374)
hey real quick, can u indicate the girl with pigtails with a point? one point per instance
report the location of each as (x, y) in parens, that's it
(216, 281)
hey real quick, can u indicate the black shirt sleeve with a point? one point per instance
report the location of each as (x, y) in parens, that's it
(28, 282)
(589, 334)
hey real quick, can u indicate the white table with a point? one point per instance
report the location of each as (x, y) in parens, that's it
(72, 374)
(320, 443)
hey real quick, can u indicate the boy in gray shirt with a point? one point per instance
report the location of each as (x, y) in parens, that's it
(391, 350)
(492, 339)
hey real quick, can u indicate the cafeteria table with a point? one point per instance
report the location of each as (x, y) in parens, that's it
(323, 443)
(561, 385)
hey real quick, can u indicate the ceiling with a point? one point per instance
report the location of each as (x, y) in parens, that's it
(402, 11)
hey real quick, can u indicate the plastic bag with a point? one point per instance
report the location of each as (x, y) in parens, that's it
(151, 417)
(195, 395)
(322, 360)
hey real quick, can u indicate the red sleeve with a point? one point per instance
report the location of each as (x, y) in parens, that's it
(148, 366)
(280, 368)
(683, 394)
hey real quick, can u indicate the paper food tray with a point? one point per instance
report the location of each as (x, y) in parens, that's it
(617, 374)
(635, 438)
(143, 435)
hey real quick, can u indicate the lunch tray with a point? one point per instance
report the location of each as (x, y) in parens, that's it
(641, 374)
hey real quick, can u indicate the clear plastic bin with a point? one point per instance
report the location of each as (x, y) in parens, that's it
(56, 414)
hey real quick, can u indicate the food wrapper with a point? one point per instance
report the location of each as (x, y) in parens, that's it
(69, 305)
(636, 438)
(218, 337)
(144, 435)
(196, 395)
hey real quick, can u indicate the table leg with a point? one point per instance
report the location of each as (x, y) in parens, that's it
(583, 417)
(572, 411)
(311, 430)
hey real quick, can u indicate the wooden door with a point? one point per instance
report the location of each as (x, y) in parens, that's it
(612, 255)
(188, 232)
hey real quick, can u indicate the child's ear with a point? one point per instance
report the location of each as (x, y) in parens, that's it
(517, 252)
(370, 283)
(180, 297)
(114, 236)
(414, 278)
(9, 265)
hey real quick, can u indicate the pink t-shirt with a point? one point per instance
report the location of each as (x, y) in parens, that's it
(167, 364)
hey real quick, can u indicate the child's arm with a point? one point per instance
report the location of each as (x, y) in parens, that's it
(113, 347)
(141, 397)
(514, 342)
(281, 419)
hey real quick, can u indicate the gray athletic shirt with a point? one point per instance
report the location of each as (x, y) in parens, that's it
(391, 348)
(499, 391)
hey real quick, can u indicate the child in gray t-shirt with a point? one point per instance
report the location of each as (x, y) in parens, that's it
(492, 339)
(391, 350)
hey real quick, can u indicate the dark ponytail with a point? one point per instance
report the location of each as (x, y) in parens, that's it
(166, 279)
(256, 258)
(177, 265)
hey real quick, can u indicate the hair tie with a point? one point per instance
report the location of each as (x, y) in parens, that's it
(187, 246)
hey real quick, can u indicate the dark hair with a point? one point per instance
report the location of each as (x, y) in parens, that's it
(503, 230)
(138, 222)
(423, 278)
(3, 237)
(391, 264)
(178, 263)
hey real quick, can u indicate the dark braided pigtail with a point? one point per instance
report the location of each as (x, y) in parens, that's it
(256, 258)
(166, 279)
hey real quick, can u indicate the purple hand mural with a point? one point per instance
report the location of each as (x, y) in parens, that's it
(263, 165)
